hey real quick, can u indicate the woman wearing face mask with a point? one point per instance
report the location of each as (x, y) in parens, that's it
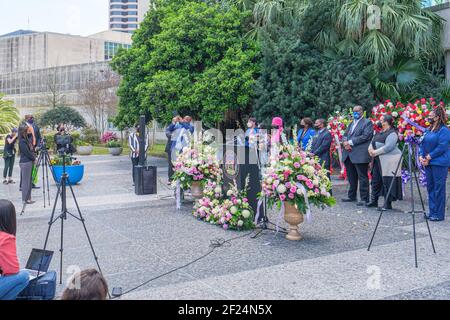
(435, 156)
(251, 132)
(386, 155)
(306, 133)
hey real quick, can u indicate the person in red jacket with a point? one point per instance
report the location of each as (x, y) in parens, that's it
(12, 280)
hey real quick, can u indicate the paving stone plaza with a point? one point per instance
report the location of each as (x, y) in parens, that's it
(137, 238)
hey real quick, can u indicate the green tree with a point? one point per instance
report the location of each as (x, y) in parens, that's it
(297, 81)
(9, 115)
(69, 116)
(188, 57)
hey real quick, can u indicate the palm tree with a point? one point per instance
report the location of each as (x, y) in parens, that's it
(9, 115)
(350, 26)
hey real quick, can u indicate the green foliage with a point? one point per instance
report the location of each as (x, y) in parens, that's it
(298, 81)
(89, 135)
(49, 137)
(62, 114)
(114, 144)
(188, 57)
(9, 116)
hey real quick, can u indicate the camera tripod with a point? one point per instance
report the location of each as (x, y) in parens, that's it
(412, 169)
(62, 192)
(264, 223)
(43, 161)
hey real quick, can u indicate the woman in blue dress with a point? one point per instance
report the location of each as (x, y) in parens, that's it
(307, 132)
(435, 156)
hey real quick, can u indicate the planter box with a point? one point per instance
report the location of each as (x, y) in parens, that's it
(115, 151)
(75, 173)
(85, 150)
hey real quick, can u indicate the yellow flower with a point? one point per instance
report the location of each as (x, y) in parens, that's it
(419, 111)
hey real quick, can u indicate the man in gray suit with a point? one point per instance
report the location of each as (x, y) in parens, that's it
(321, 143)
(356, 157)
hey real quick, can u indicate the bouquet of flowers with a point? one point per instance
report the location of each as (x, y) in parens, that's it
(297, 177)
(198, 163)
(232, 213)
(108, 137)
(389, 108)
(413, 120)
(337, 124)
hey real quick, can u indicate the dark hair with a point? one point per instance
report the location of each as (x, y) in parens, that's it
(8, 221)
(23, 128)
(322, 121)
(308, 122)
(253, 119)
(389, 119)
(86, 285)
(441, 113)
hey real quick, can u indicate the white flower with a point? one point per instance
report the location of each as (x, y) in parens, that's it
(299, 192)
(240, 223)
(281, 188)
(395, 114)
(182, 178)
(246, 214)
(229, 193)
(233, 210)
(217, 190)
(269, 180)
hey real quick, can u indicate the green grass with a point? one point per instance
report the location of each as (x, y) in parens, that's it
(156, 151)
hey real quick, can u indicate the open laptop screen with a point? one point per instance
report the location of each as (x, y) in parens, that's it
(35, 259)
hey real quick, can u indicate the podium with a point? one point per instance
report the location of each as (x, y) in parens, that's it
(238, 163)
(145, 180)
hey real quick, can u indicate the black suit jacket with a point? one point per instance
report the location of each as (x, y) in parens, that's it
(361, 138)
(321, 145)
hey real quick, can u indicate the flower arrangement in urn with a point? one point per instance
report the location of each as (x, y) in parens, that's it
(234, 212)
(295, 180)
(197, 164)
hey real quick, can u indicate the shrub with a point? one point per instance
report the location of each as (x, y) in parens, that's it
(109, 136)
(90, 136)
(66, 115)
(114, 144)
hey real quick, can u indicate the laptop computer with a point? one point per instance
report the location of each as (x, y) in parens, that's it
(38, 257)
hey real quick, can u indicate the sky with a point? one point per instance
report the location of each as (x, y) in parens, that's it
(78, 17)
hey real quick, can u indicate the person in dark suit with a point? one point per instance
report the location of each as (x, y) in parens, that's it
(321, 143)
(356, 141)
(435, 157)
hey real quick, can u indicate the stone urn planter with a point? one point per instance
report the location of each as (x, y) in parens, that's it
(197, 190)
(116, 151)
(293, 217)
(85, 150)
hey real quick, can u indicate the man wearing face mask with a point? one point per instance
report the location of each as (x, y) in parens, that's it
(356, 141)
(321, 144)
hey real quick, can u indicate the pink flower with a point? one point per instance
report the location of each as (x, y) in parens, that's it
(245, 200)
(288, 185)
(225, 226)
(283, 197)
(293, 189)
(316, 190)
(297, 165)
(291, 196)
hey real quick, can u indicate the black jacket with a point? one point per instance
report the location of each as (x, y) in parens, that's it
(361, 137)
(321, 145)
(26, 155)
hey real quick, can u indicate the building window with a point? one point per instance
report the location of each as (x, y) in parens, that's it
(111, 49)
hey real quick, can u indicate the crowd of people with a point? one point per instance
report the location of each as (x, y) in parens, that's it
(365, 151)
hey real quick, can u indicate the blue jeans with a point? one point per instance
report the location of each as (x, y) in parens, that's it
(12, 285)
(436, 183)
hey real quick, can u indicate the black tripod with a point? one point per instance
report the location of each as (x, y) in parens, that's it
(264, 223)
(412, 167)
(44, 162)
(62, 192)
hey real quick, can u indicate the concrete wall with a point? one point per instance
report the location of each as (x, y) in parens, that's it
(443, 10)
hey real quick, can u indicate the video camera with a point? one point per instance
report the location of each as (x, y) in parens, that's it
(64, 143)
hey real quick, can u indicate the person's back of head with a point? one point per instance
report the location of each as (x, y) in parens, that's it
(86, 285)
(7, 217)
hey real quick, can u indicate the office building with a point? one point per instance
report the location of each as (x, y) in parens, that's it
(126, 15)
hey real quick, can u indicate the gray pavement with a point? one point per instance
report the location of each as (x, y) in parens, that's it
(138, 238)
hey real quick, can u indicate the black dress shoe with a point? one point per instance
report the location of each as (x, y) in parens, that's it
(36, 187)
(372, 204)
(348, 200)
